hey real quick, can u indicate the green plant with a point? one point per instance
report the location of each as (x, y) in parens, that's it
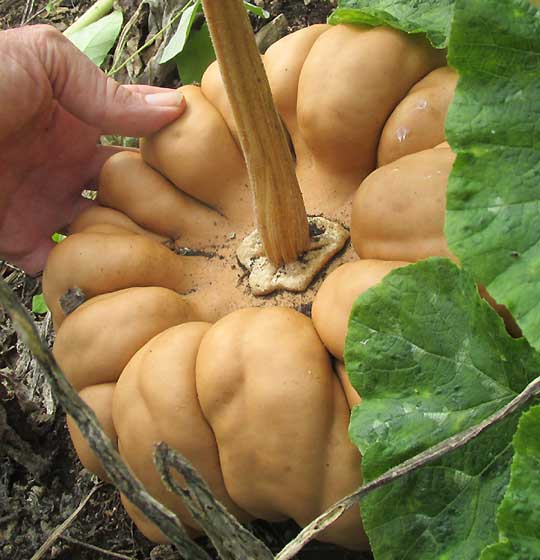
(189, 47)
(427, 355)
(95, 32)
(51, 6)
(39, 306)
(192, 49)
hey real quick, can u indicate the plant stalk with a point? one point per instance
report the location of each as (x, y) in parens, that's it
(117, 66)
(101, 445)
(279, 207)
(98, 10)
(418, 461)
(201, 497)
(231, 540)
(57, 533)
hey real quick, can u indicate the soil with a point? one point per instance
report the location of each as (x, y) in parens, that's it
(41, 480)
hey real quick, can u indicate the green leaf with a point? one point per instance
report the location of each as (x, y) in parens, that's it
(519, 515)
(98, 38)
(260, 12)
(51, 6)
(197, 55)
(432, 17)
(430, 359)
(38, 304)
(493, 200)
(182, 47)
(58, 237)
(179, 39)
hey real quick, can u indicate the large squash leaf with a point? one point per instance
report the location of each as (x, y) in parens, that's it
(430, 359)
(493, 204)
(432, 17)
(519, 514)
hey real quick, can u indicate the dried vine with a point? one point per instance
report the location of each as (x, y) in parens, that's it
(229, 537)
(232, 541)
(279, 208)
(428, 456)
(87, 422)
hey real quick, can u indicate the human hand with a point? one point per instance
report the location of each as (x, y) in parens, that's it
(54, 105)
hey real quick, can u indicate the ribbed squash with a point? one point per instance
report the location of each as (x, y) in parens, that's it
(171, 345)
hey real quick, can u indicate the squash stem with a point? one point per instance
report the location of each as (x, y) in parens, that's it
(279, 207)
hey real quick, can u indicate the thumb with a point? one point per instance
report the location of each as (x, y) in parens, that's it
(101, 102)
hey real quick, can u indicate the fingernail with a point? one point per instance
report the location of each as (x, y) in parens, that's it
(165, 99)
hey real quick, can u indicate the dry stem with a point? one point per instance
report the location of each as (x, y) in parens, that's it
(229, 537)
(57, 533)
(94, 548)
(428, 456)
(86, 421)
(198, 498)
(279, 208)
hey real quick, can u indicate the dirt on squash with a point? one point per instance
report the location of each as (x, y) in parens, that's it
(41, 481)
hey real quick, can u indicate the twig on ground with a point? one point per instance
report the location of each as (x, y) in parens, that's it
(231, 540)
(57, 533)
(120, 45)
(96, 548)
(150, 41)
(37, 14)
(28, 9)
(100, 444)
(428, 456)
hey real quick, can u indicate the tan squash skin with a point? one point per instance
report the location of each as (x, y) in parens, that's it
(506, 316)
(353, 398)
(99, 399)
(99, 263)
(417, 123)
(280, 419)
(334, 153)
(202, 131)
(156, 204)
(198, 154)
(284, 62)
(110, 229)
(255, 401)
(398, 211)
(334, 300)
(95, 216)
(96, 342)
(156, 400)
(341, 127)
